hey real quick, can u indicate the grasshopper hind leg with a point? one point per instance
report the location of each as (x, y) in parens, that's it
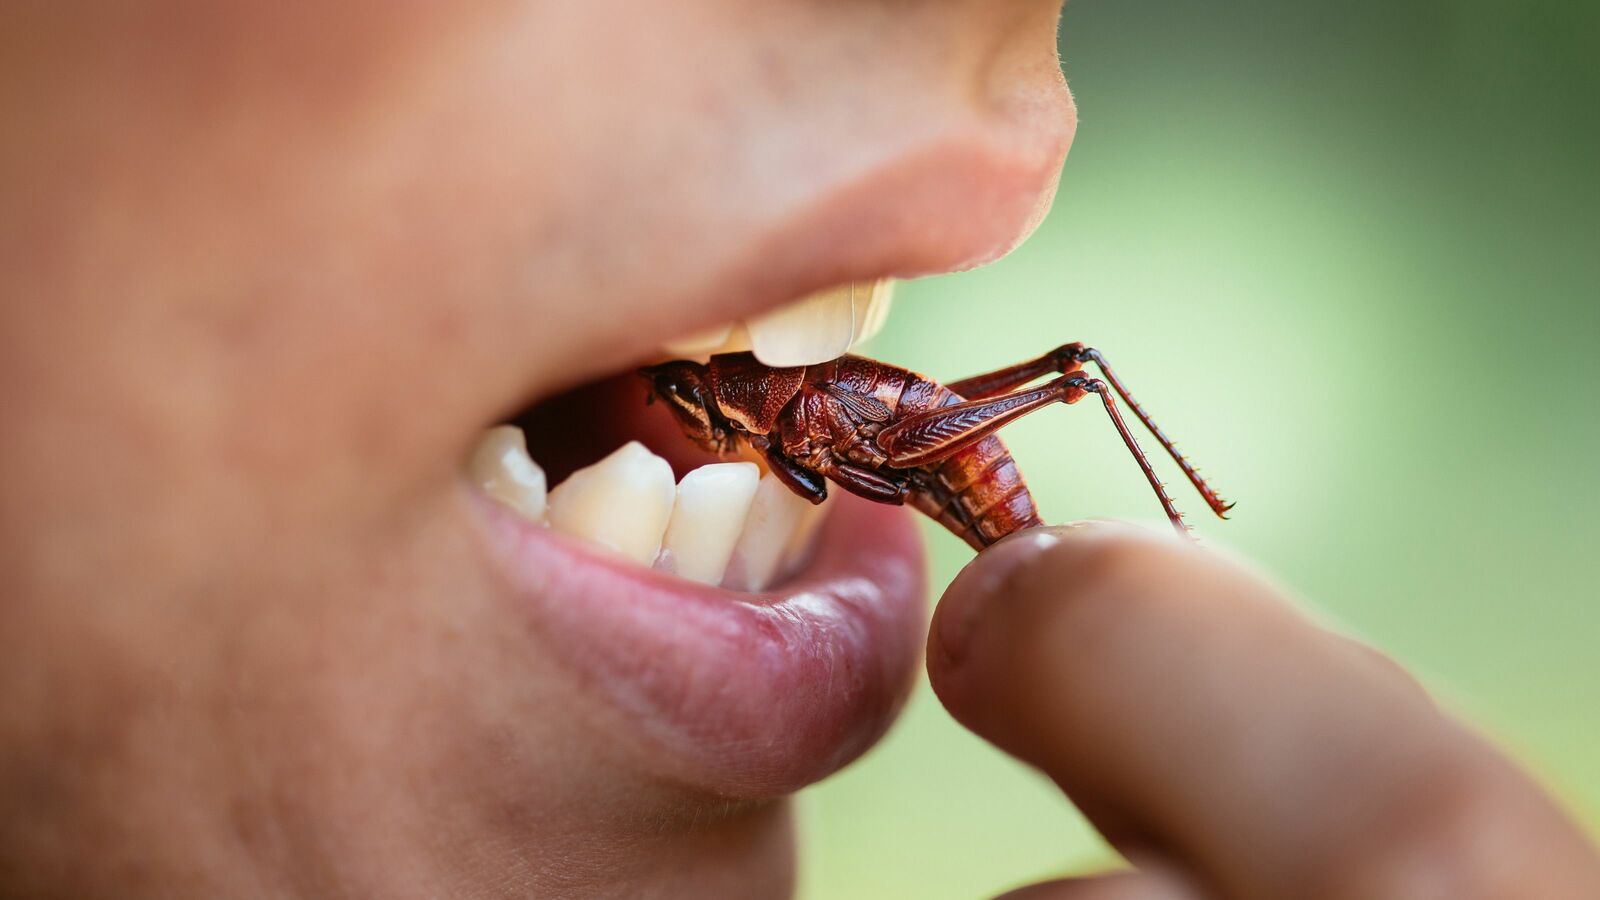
(1070, 358)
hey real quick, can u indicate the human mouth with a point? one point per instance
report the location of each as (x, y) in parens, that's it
(724, 523)
(756, 642)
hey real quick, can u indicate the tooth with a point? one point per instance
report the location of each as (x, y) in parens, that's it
(622, 502)
(873, 299)
(732, 338)
(738, 340)
(775, 515)
(813, 330)
(500, 465)
(703, 342)
(799, 545)
(713, 501)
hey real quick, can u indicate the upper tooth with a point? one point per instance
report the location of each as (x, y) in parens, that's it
(775, 515)
(622, 502)
(712, 503)
(813, 330)
(701, 342)
(738, 340)
(500, 465)
(873, 299)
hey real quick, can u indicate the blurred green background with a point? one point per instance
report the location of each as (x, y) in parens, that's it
(1349, 255)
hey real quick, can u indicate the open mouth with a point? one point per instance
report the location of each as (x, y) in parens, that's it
(756, 642)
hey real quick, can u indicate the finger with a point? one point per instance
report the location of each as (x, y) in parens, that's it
(1182, 703)
(1151, 882)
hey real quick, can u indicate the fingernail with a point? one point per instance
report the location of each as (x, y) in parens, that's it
(982, 583)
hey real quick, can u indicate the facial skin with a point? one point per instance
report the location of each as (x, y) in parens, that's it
(270, 268)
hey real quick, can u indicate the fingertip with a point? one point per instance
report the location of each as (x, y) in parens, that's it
(1001, 631)
(1151, 881)
(1002, 574)
(979, 582)
(1176, 695)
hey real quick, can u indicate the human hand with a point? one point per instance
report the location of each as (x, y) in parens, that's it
(1226, 744)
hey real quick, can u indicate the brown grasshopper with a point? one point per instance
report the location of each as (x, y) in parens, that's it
(894, 436)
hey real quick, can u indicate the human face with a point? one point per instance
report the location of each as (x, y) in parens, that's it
(270, 271)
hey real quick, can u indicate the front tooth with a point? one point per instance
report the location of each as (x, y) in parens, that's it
(775, 515)
(622, 502)
(712, 504)
(738, 340)
(700, 343)
(500, 465)
(813, 330)
(798, 548)
(873, 299)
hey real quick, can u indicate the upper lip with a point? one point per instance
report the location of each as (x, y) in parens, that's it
(948, 201)
(954, 202)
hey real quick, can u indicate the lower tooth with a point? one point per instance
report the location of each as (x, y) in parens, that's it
(712, 504)
(622, 502)
(798, 549)
(776, 514)
(500, 465)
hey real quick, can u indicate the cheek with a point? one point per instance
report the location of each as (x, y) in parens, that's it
(436, 233)
(397, 668)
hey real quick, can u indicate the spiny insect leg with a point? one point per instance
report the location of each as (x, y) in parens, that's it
(869, 484)
(1096, 386)
(1061, 361)
(935, 435)
(796, 477)
(1212, 498)
(1069, 358)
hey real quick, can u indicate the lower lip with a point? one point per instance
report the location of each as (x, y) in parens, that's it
(744, 695)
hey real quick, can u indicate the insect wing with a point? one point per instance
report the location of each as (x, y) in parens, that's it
(862, 407)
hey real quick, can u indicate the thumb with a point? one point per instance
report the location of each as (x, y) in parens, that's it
(1186, 707)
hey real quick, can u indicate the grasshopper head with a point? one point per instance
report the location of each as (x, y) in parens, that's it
(685, 389)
